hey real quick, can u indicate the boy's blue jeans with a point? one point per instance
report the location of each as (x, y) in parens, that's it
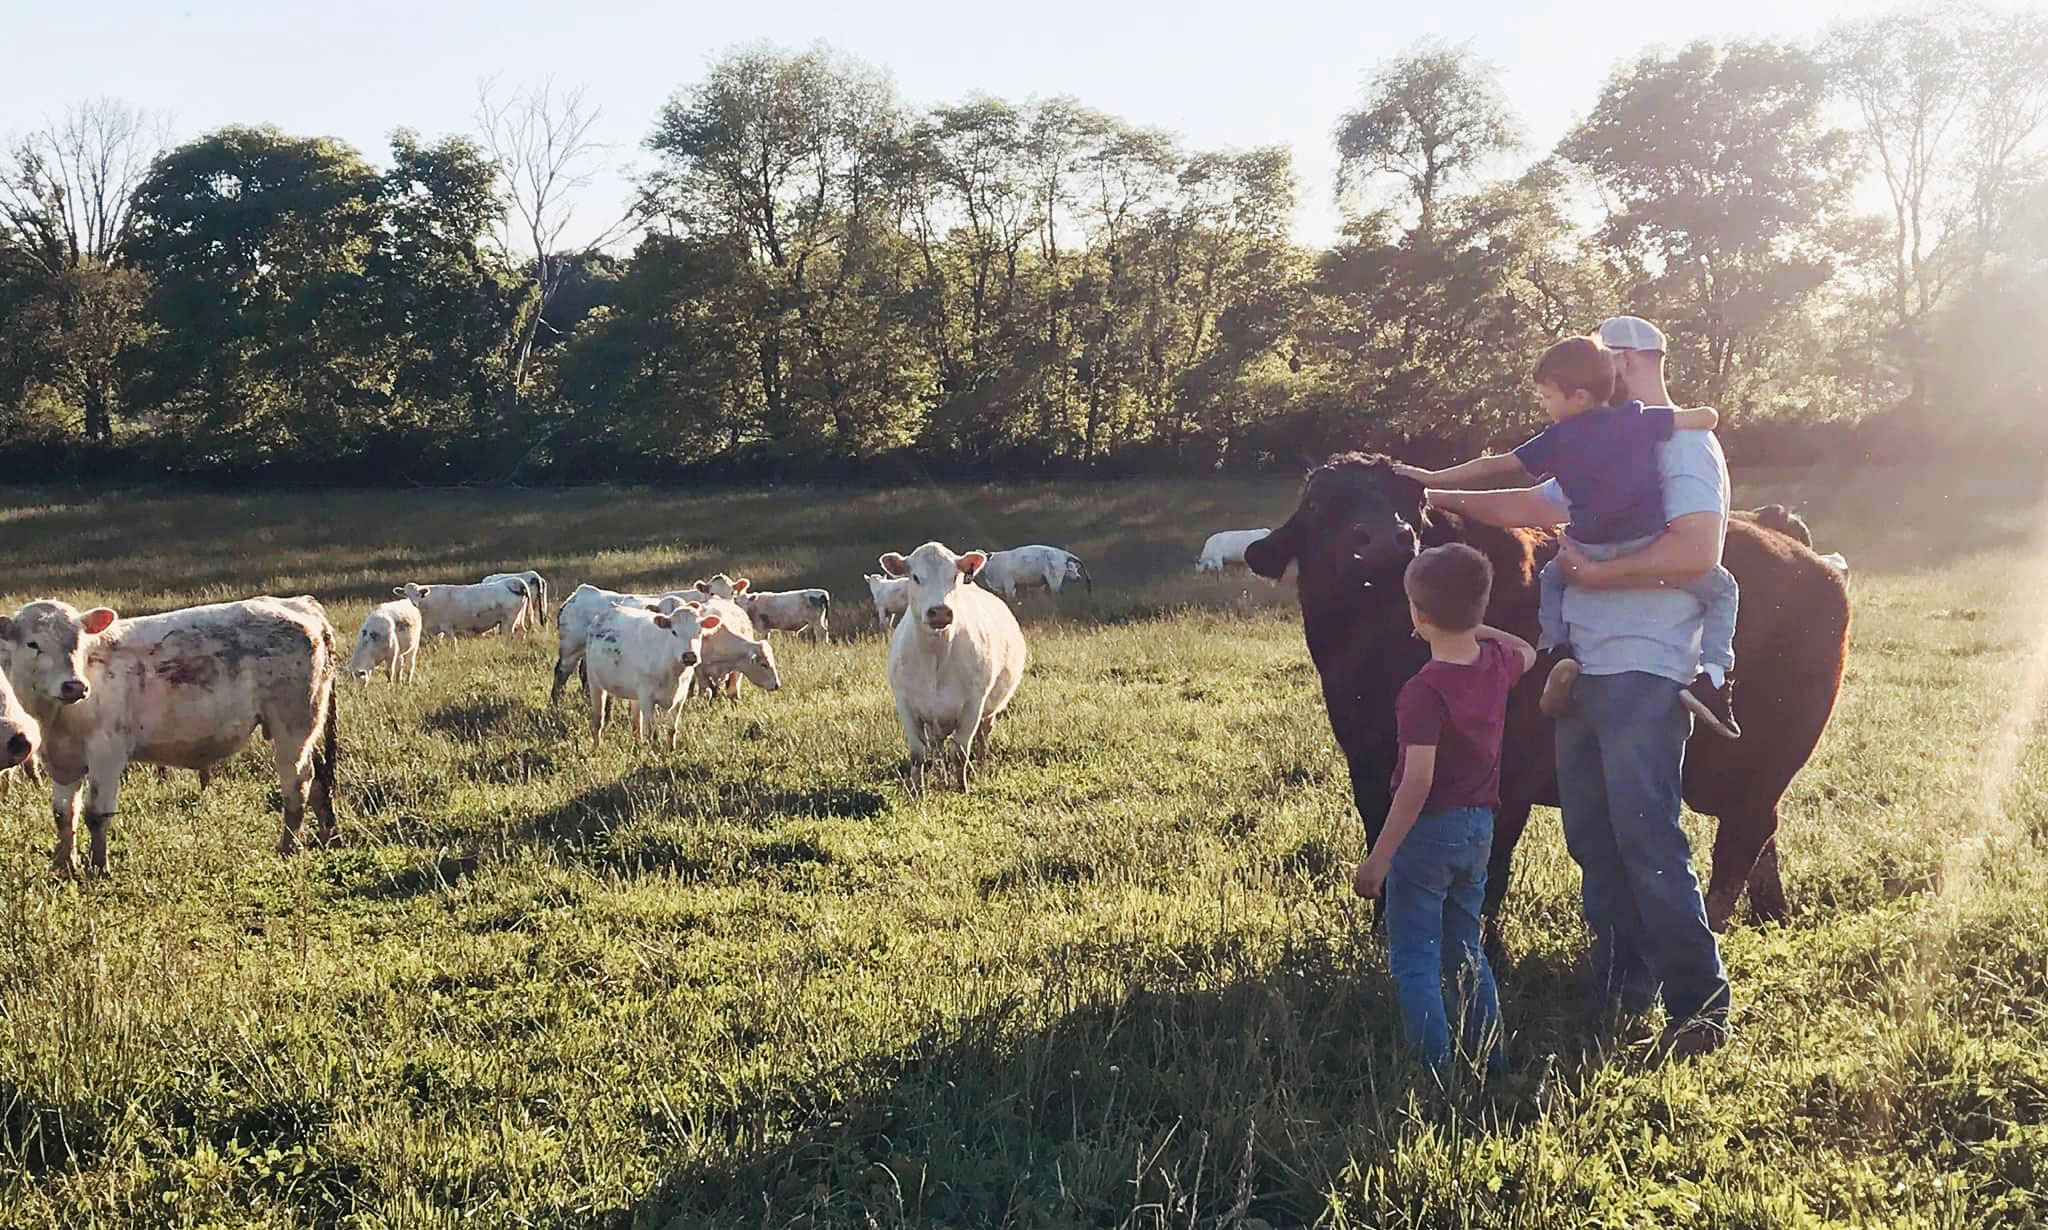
(1435, 885)
(1718, 594)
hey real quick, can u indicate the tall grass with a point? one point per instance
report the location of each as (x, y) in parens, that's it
(1121, 983)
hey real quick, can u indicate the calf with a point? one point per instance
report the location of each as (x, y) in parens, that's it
(1035, 567)
(467, 610)
(731, 652)
(536, 613)
(184, 689)
(646, 657)
(19, 737)
(580, 612)
(956, 657)
(891, 596)
(791, 610)
(1225, 548)
(390, 638)
(722, 586)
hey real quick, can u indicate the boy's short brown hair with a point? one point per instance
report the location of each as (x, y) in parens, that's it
(1449, 586)
(1579, 363)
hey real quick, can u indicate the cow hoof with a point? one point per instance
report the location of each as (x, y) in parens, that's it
(287, 847)
(330, 839)
(1719, 912)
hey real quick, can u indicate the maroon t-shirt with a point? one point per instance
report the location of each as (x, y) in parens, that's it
(1459, 709)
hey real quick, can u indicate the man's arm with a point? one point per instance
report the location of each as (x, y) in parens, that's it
(1699, 418)
(1418, 772)
(1465, 473)
(1688, 547)
(1522, 506)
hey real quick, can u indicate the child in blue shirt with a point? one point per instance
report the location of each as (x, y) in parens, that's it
(1604, 456)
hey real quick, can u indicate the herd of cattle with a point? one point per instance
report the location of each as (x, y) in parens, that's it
(83, 694)
(86, 693)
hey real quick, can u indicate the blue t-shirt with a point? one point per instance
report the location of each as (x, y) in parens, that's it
(1606, 461)
(1657, 630)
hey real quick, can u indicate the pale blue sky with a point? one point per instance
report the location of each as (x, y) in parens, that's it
(1219, 74)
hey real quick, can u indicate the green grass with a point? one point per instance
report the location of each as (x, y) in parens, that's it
(1122, 983)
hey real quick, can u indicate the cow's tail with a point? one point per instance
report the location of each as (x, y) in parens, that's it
(543, 612)
(1083, 570)
(325, 755)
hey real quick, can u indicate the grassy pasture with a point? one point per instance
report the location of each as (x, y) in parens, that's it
(1122, 983)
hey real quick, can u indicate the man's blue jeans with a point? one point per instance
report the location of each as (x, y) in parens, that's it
(1435, 885)
(1620, 754)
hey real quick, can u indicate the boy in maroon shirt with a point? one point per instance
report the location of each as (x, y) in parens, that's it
(1431, 857)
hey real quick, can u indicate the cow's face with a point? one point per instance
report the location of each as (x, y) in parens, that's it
(723, 586)
(372, 648)
(1356, 517)
(45, 646)
(759, 665)
(19, 732)
(935, 575)
(686, 624)
(417, 594)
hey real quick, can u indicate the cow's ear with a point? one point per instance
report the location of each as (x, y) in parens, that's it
(709, 623)
(97, 620)
(972, 563)
(740, 586)
(661, 620)
(895, 565)
(701, 586)
(398, 591)
(652, 606)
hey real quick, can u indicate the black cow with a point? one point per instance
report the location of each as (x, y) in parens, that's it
(1356, 528)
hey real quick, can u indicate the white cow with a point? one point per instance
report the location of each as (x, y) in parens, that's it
(1011, 572)
(646, 657)
(956, 657)
(891, 595)
(185, 689)
(789, 610)
(719, 585)
(467, 610)
(732, 653)
(390, 638)
(1225, 548)
(580, 611)
(536, 613)
(20, 736)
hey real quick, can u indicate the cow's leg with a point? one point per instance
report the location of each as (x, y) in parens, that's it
(1739, 838)
(599, 702)
(294, 761)
(963, 734)
(64, 806)
(641, 704)
(1508, 822)
(103, 772)
(1766, 890)
(913, 735)
(563, 669)
(391, 667)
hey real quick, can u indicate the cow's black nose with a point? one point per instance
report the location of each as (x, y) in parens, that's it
(72, 691)
(689, 659)
(18, 749)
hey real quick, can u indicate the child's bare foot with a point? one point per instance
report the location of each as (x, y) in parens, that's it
(1556, 700)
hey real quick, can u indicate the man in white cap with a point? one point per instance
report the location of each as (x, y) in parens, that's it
(1621, 749)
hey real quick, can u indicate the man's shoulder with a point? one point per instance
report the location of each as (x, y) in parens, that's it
(1692, 454)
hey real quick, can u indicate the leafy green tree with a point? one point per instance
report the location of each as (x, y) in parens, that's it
(74, 312)
(1430, 118)
(1727, 183)
(259, 246)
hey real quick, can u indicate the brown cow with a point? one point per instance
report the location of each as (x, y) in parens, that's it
(1357, 526)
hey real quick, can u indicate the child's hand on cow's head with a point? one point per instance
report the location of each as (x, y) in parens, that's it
(1416, 473)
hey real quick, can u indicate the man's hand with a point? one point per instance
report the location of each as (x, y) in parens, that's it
(1417, 473)
(1576, 567)
(1371, 877)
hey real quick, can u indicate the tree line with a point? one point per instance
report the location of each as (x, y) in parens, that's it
(1847, 243)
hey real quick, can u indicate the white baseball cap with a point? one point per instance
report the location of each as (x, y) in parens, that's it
(1631, 333)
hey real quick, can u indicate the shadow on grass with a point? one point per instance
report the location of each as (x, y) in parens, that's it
(1099, 1096)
